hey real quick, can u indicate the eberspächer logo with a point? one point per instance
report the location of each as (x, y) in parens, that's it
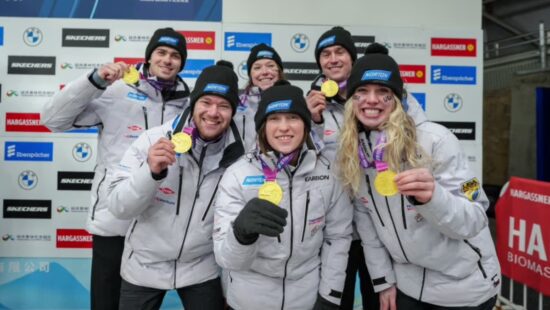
(453, 102)
(32, 36)
(82, 151)
(299, 42)
(28, 180)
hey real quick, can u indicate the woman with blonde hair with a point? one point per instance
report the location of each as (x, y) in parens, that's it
(419, 209)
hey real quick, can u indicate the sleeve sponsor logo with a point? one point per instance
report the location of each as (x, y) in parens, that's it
(453, 47)
(470, 189)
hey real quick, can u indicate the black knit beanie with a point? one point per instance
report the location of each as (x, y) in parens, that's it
(282, 98)
(262, 51)
(375, 67)
(167, 37)
(335, 36)
(219, 80)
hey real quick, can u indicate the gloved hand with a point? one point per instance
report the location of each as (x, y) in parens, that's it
(323, 304)
(259, 216)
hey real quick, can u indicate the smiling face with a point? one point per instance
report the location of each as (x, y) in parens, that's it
(335, 63)
(372, 105)
(264, 73)
(212, 115)
(164, 63)
(284, 132)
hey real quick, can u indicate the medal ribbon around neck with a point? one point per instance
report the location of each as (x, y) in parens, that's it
(384, 182)
(185, 139)
(270, 190)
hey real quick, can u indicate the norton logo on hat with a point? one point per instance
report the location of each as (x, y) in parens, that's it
(216, 88)
(265, 54)
(326, 42)
(281, 105)
(168, 40)
(378, 75)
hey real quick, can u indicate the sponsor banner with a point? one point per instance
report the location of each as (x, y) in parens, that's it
(413, 74)
(32, 36)
(73, 37)
(361, 43)
(79, 65)
(453, 75)
(244, 41)
(405, 45)
(421, 98)
(28, 151)
(129, 60)
(27, 209)
(462, 130)
(523, 232)
(35, 65)
(24, 122)
(453, 47)
(1, 36)
(194, 67)
(299, 42)
(73, 238)
(26, 93)
(453, 102)
(301, 71)
(200, 40)
(74, 180)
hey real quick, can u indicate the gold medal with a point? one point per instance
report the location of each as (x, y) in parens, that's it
(329, 88)
(385, 184)
(271, 191)
(131, 76)
(182, 142)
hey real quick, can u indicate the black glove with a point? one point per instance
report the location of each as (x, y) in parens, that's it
(323, 304)
(259, 216)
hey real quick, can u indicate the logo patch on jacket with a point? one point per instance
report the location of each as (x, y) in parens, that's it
(470, 189)
(315, 225)
(317, 178)
(252, 180)
(136, 96)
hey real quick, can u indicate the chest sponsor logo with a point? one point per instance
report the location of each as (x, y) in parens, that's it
(317, 178)
(27, 209)
(453, 47)
(413, 74)
(166, 191)
(32, 36)
(28, 151)
(301, 71)
(27, 180)
(73, 37)
(253, 180)
(453, 75)
(74, 180)
(462, 130)
(244, 41)
(73, 239)
(137, 96)
(194, 67)
(33, 65)
(200, 40)
(361, 42)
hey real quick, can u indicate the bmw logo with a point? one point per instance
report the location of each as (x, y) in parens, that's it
(32, 36)
(82, 151)
(242, 70)
(28, 180)
(453, 102)
(299, 42)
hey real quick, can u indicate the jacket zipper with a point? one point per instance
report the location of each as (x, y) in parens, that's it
(305, 216)
(97, 194)
(373, 201)
(244, 126)
(211, 199)
(403, 212)
(395, 229)
(334, 118)
(291, 239)
(145, 117)
(422, 286)
(179, 191)
(478, 252)
(130, 235)
(162, 112)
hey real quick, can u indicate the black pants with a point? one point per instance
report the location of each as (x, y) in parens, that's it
(203, 296)
(356, 263)
(105, 284)
(409, 303)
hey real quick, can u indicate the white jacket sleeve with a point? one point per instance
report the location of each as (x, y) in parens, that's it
(133, 188)
(457, 208)
(229, 253)
(377, 258)
(336, 244)
(72, 104)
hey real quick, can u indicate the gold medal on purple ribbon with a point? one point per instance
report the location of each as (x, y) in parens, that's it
(384, 183)
(329, 88)
(182, 142)
(131, 76)
(271, 191)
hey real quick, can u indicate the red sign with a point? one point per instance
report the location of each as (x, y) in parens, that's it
(523, 233)
(129, 60)
(453, 47)
(413, 74)
(73, 238)
(24, 122)
(200, 40)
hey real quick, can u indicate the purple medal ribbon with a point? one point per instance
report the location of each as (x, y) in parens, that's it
(378, 154)
(271, 174)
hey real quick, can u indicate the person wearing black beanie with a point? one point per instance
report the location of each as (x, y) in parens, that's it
(170, 38)
(282, 201)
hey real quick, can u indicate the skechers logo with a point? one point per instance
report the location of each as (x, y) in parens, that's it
(253, 180)
(216, 88)
(265, 54)
(326, 42)
(379, 75)
(317, 178)
(72, 37)
(281, 105)
(169, 40)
